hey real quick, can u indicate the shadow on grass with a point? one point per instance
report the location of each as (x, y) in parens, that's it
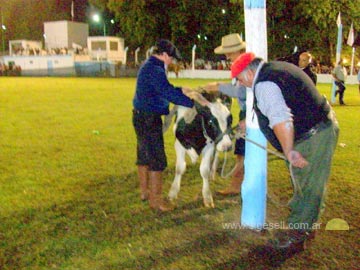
(258, 257)
(106, 213)
(167, 256)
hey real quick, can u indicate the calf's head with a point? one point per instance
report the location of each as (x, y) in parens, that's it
(216, 124)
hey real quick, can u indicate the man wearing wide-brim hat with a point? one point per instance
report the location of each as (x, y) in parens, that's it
(232, 46)
(231, 43)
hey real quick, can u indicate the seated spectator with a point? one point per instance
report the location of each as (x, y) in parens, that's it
(208, 65)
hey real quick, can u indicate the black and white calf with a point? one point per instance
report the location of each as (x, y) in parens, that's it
(200, 131)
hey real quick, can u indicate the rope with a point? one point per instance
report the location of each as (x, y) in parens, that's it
(262, 147)
(222, 174)
(295, 183)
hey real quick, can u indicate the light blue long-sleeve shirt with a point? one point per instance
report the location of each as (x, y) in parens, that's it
(235, 91)
(271, 101)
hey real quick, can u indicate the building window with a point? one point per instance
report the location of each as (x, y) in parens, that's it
(98, 45)
(114, 46)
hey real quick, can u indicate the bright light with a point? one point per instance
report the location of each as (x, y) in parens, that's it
(345, 61)
(3, 27)
(286, 36)
(223, 11)
(112, 21)
(199, 36)
(358, 64)
(96, 18)
(205, 37)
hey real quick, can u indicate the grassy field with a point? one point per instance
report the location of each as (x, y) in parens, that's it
(69, 196)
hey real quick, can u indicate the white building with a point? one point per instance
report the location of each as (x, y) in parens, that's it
(68, 50)
(106, 48)
(63, 34)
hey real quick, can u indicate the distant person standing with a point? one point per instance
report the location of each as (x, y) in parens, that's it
(339, 73)
(305, 65)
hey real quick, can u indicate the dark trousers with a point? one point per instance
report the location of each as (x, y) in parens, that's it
(307, 207)
(340, 91)
(150, 140)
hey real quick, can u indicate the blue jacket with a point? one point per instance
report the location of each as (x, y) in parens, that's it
(153, 90)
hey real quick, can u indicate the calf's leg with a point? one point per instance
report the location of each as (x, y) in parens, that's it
(214, 166)
(179, 171)
(205, 174)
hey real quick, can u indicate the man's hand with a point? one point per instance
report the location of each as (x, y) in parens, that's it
(186, 90)
(242, 125)
(195, 96)
(199, 98)
(212, 87)
(296, 159)
(240, 130)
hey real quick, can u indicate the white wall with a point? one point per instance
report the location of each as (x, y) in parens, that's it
(40, 62)
(55, 34)
(327, 78)
(77, 33)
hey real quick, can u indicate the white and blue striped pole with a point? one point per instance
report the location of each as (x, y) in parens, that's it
(254, 187)
(338, 54)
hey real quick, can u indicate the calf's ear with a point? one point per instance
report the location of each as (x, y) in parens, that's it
(226, 100)
(209, 96)
(201, 109)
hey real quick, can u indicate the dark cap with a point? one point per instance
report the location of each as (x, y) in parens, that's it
(164, 45)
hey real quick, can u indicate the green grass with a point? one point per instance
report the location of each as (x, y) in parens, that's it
(69, 196)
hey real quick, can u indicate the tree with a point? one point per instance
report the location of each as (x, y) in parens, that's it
(306, 24)
(322, 30)
(184, 22)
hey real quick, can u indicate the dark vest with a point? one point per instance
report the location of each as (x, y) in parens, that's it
(307, 106)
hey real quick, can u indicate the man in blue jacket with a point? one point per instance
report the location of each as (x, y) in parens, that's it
(152, 97)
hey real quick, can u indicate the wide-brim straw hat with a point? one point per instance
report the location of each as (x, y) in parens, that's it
(230, 43)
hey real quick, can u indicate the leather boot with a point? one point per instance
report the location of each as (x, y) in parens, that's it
(155, 199)
(236, 179)
(291, 241)
(143, 174)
